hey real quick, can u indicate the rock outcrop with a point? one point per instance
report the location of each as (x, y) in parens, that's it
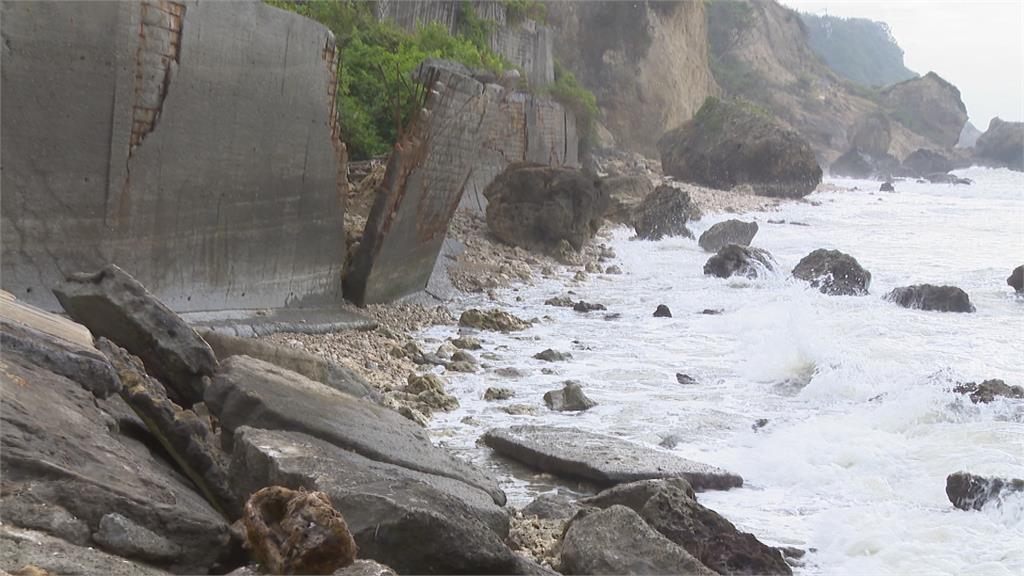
(112, 304)
(1016, 279)
(929, 106)
(989, 390)
(930, 297)
(969, 492)
(734, 260)
(604, 460)
(536, 207)
(1002, 144)
(731, 231)
(833, 272)
(625, 193)
(569, 399)
(665, 213)
(494, 319)
(923, 162)
(21, 548)
(729, 142)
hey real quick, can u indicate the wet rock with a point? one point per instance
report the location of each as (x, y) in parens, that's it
(309, 365)
(509, 372)
(1002, 144)
(119, 535)
(467, 343)
(929, 297)
(20, 548)
(635, 495)
(625, 193)
(669, 441)
(730, 142)
(561, 301)
(365, 568)
(989, 390)
(182, 433)
(551, 506)
(712, 311)
(74, 361)
(582, 306)
(758, 424)
(833, 272)
(734, 260)
(1016, 279)
(610, 317)
(603, 460)
(569, 399)
(463, 356)
(462, 366)
(297, 532)
(249, 392)
(722, 234)
(618, 541)
(969, 492)
(64, 453)
(537, 206)
(592, 268)
(550, 355)
(685, 379)
(662, 311)
(580, 276)
(887, 186)
(856, 163)
(613, 270)
(923, 161)
(114, 305)
(519, 410)
(445, 351)
(499, 394)
(665, 213)
(494, 320)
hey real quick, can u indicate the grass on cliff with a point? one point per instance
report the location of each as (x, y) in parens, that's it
(567, 91)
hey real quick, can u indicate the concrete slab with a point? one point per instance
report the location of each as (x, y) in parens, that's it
(261, 322)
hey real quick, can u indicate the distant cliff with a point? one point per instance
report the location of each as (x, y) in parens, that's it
(860, 50)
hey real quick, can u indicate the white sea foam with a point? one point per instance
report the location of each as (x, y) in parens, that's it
(862, 428)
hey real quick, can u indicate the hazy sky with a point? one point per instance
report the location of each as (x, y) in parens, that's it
(978, 45)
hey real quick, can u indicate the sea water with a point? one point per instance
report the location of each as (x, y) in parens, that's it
(862, 428)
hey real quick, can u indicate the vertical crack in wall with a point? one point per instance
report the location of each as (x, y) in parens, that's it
(330, 56)
(159, 51)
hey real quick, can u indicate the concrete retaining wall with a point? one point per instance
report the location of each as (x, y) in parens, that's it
(193, 143)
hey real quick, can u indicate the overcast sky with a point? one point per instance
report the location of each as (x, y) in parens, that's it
(978, 45)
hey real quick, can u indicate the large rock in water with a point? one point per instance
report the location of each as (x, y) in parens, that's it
(728, 232)
(833, 272)
(732, 142)
(855, 163)
(669, 507)
(569, 399)
(618, 541)
(665, 213)
(969, 492)
(923, 162)
(625, 193)
(735, 260)
(112, 304)
(250, 392)
(414, 522)
(929, 297)
(1016, 279)
(69, 462)
(989, 390)
(1002, 144)
(536, 206)
(603, 460)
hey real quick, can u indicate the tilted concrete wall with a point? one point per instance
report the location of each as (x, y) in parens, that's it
(470, 133)
(193, 143)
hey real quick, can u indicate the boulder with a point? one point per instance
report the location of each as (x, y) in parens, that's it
(20, 548)
(582, 306)
(313, 367)
(635, 494)
(887, 186)
(929, 297)
(833, 272)
(855, 163)
(1016, 279)
(70, 460)
(728, 232)
(603, 460)
(536, 206)
(618, 541)
(494, 320)
(112, 304)
(731, 142)
(413, 522)
(988, 390)
(560, 301)
(499, 394)
(625, 193)
(685, 379)
(550, 355)
(929, 106)
(467, 343)
(250, 392)
(552, 506)
(665, 213)
(969, 492)
(119, 535)
(735, 260)
(181, 432)
(1002, 144)
(569, 399)
(923, 161)
(297, 532)
(662, 311)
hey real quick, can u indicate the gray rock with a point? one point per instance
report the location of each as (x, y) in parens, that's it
(685, 379)
(560, 301)
(112, 304)
(604, 460)
(929, 297)
(496, 320)
(467, 343)
(413, 522)
(463, 356)
(833, 272)
(665, 213)
(1016, 279)
(519, 409)
(60, 449)
(83, 365)
(662, 311)
(625, 193)
(20, 548)
(569, 399)
(313, 367)
(734, 260)
(250, 392)
(509, 372)
(989, 390)
(551, 506)
(617, 541)
(364, 568)
(729, 232)
(499, 394)
(887, 186)
(119, 535)
(582, 306)
(635, 495)
(550, 355)
(969, 492)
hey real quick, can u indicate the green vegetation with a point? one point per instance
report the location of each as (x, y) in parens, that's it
(860, 50)
(518, 10)
(726, 20)
(567, 91)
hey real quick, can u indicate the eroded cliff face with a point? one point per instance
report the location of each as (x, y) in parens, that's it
(646, 62)
(929, 106)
